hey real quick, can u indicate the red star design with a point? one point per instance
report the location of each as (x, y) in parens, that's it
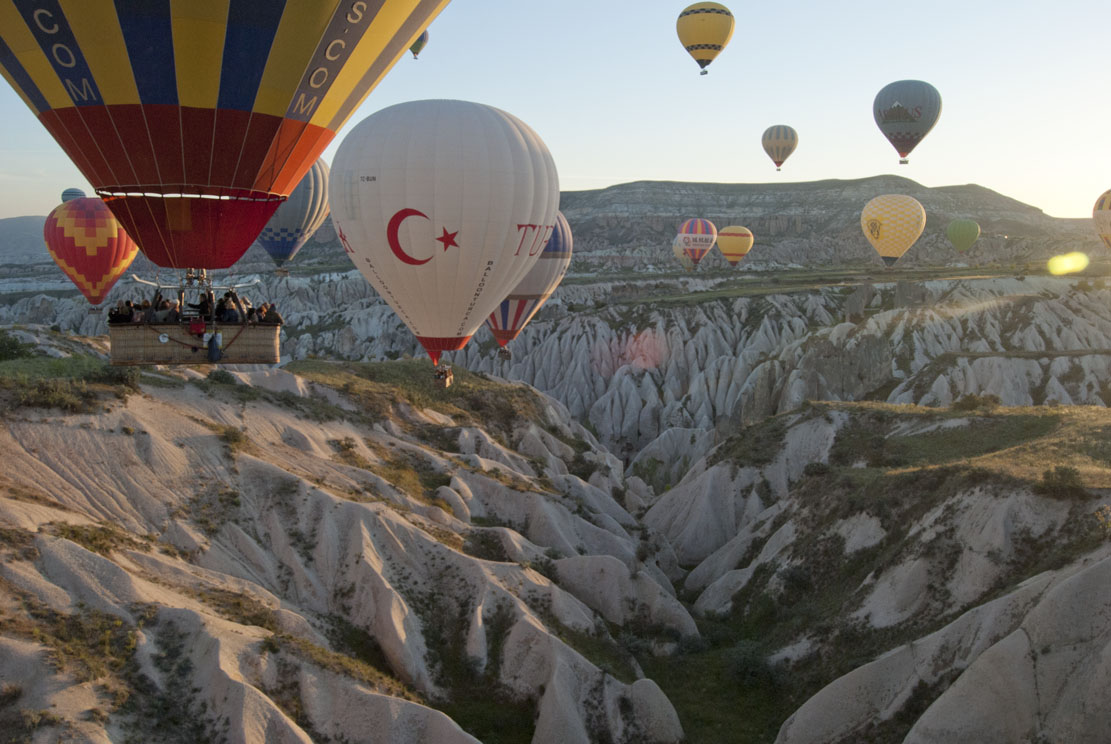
(448, 239)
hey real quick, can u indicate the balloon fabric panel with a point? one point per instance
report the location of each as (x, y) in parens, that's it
(229, 100)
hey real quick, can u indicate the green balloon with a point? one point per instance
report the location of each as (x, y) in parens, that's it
(962, 234)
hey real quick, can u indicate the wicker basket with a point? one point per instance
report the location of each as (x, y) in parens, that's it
(172, 343)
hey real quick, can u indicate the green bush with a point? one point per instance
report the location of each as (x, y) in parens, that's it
(13, 348)
(973, 402)
(222, 377)
(748, 665)
(1061, 482)
(815, 469)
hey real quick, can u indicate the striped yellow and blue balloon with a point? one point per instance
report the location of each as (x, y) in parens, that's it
(298, 217)
(779, 142)
(194, 119)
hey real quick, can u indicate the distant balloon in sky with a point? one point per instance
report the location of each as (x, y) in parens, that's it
(530, 294)
(905, 111)
(72, 193)
(734, 242)
(444, 206)
(1101, 216)
(298, 217)
(892, 223)
(779, 142)
(677, 248)
(697, 236)
(419, 44)
(704, 30)
(962, 234)
(89, 245)
(194, 120)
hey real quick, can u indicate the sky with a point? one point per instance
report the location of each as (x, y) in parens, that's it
(609, 88)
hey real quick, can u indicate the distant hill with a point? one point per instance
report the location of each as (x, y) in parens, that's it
(21, 240)
(814, 222)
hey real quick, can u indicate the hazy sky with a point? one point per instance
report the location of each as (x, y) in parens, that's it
(609, 88)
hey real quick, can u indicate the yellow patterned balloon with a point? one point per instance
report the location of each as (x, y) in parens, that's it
(1101, 215)
(892, 223)
(704, 29)
(734, 242)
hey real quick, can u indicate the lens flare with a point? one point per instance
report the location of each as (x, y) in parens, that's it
(1069, 263)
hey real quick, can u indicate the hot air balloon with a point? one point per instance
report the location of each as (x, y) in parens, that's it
(779, 142)
(677, 248)
(444, 206)
(72, 193)
(1101, 216)
(704, 30)
(525, 300)
(419, 44)
(89, 245)
(905, 111)
(697, 236)
(892, 223)
(298, 217)
(734, 242)
(194, 120)
(962, 234)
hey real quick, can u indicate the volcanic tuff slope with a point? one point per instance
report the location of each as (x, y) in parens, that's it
(313, 554)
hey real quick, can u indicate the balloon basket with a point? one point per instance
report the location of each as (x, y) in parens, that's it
(903, 161)
(505, 355)
(444, 375)
(172, 343)
(95, 311)
(704, 72)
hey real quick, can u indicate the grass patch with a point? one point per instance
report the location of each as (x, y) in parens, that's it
(752, 446)
(74, 384)
(99, 538)
(473, 398)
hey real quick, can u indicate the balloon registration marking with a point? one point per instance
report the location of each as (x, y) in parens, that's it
(448, 239)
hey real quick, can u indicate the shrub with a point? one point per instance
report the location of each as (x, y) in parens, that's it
(1061, 482)
(815, 469)
(747, 664)
(13, 348)
(973, 402)
(222, 377)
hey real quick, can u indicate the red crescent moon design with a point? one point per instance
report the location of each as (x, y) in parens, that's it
(391, 235)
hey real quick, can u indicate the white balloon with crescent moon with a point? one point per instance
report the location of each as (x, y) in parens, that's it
(443, 206)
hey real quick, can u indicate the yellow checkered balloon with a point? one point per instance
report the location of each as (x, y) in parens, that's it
(892, 223)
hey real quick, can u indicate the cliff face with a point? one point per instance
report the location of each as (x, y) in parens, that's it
(637, 359)
(312, 553)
